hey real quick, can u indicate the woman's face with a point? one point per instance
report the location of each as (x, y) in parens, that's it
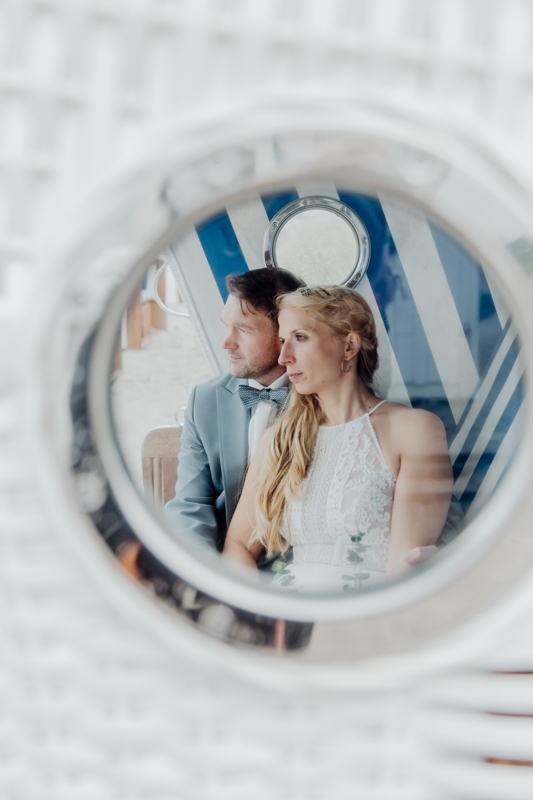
(309, 351)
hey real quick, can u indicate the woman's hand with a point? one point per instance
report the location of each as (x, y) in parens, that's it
(419, 554)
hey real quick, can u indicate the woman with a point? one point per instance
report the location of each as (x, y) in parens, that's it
(353, 482)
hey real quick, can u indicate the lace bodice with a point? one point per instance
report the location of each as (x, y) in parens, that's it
(348, 491)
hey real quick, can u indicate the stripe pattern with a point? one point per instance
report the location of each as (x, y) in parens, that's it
(446, 342)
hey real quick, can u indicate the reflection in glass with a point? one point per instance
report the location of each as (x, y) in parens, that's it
(446, 341)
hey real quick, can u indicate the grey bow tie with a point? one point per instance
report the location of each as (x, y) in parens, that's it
(250, 396)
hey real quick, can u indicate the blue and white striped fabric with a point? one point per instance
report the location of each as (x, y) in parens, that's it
(446, 342)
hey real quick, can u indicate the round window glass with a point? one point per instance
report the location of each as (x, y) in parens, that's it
(319, 238)
(190, 466)
(319, 245)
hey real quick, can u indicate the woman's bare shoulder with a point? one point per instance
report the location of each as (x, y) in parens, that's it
(408, 415)
(413, 425)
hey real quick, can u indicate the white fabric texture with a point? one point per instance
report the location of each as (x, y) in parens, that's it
(348, 491)
(263, 414)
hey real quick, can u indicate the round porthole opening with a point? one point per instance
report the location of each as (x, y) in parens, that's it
(321, 239)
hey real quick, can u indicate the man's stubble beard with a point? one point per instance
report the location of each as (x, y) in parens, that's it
(255, 369)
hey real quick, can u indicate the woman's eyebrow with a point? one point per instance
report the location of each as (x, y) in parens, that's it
(296, 330)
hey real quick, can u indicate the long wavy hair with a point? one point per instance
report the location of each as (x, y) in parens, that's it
(294, 435)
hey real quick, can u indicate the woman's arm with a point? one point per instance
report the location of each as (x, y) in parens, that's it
(243, 520)
(423, 487)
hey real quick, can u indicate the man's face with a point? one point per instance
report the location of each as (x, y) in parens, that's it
(252, 343)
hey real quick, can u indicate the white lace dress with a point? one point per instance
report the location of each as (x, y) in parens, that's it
(340, 529)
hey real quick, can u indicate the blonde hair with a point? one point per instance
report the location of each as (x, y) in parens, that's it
(294, 434)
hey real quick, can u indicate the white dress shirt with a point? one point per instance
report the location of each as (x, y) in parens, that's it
(263, 414)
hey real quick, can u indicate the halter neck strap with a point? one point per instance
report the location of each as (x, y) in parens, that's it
(378, 405)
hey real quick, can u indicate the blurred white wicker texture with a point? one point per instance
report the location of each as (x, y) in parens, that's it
(92, 705)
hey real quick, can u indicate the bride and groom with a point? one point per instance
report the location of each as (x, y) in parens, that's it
(353, 483)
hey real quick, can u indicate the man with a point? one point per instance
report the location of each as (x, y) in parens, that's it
(227, 416)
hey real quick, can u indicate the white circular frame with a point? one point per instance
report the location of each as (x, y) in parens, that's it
(408, 616)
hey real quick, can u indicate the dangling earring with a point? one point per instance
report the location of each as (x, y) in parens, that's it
(342, 366)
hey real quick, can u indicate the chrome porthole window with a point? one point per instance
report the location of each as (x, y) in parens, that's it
(451, 294)
(319, 238)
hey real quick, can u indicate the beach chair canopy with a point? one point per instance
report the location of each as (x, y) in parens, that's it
(446, 339)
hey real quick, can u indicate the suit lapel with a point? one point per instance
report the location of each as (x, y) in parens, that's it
(233, 424)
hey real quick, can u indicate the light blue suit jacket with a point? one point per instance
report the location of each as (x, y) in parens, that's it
(212, 461)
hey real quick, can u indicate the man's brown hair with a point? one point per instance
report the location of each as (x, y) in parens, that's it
(259, 288)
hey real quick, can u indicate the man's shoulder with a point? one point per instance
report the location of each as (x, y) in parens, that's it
(211, 401)
(209, 388)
